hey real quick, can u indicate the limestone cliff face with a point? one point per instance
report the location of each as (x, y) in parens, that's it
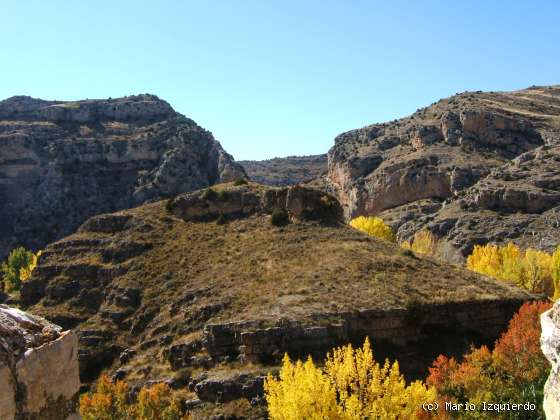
(550, 345)
(62, 162)
(39, 377)
(458, 165)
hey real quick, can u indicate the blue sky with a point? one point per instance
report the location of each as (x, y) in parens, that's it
(277, 78)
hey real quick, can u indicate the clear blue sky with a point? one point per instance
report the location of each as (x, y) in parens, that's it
(277, 78)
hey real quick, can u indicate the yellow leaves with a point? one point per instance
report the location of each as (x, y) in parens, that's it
(25, 272)
(111, 402)
(531, 269)
(351, 386)
(373, 226)
(423, 242)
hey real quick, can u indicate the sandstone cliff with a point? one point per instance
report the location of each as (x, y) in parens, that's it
(39, 378)
(202, 292)
(62, 162)
(472, 168)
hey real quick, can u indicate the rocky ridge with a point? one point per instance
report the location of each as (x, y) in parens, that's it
(472, 168)
(285, 171)
(63, 162)
(202, 292)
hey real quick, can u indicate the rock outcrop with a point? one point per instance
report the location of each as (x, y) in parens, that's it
(550, 345)
(472, 168)
(63, 162)
(39, 378)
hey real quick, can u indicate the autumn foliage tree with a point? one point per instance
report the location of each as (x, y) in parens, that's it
(423, 242)
(374, 226)
(536, 271)
(514, 371)
(352, 385)
(18, 267)
(112, 401)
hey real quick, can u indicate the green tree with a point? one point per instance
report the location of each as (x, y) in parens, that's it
(17, 267)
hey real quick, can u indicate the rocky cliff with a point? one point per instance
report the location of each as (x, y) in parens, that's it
(472, 168)
(39, 378)
(550, 345)
(290, 170)
(63, 162)
(203, 292)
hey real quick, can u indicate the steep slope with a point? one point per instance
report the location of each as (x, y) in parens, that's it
(285, 171)
(472, 168)
(62, 162)
(203, 292)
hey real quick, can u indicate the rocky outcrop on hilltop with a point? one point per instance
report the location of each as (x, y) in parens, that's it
(63, 162)
(472, 168)
(203, 292)
(39, 376)
(550, 345)
(290, 170)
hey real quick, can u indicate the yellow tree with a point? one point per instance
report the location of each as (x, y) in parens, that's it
(374, 226)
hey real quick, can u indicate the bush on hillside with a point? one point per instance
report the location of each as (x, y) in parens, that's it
(515, 371)
(352, 385)
(18, 267)
(240, 181)
(424, 242)
(279, 217)
(112, 401)
(209, 194)
(374, 226)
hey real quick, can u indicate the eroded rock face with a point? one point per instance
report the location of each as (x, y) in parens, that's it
(38, 368)
(476, 157)
(63, 162)
(550, 345)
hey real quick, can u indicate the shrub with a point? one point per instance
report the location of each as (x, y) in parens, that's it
(170, 205)
(209, 194)
(240, 181)
(373, 226)
(423, 242)
(18, 267)
(221, 220)
(111, 401)
(515, 370)
(352, 385)
(279, 217)
(537, 271)
(223, 195)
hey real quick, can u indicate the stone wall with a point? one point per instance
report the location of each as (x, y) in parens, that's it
(38, 368)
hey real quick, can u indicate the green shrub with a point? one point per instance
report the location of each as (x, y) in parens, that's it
(18, 267)
(221, 220)
(209, 194)
(170, 205)
(223, 195)
(279, 217)
(240, 181)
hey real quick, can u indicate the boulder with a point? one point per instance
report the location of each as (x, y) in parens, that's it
(39, 376)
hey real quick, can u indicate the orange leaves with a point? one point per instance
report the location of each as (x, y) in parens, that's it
(518, 350)
(112, 401)
(515, 369)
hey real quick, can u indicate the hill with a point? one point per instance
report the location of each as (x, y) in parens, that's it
(63, 162)
(285, 171)
(204, 293)
(472, 168)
